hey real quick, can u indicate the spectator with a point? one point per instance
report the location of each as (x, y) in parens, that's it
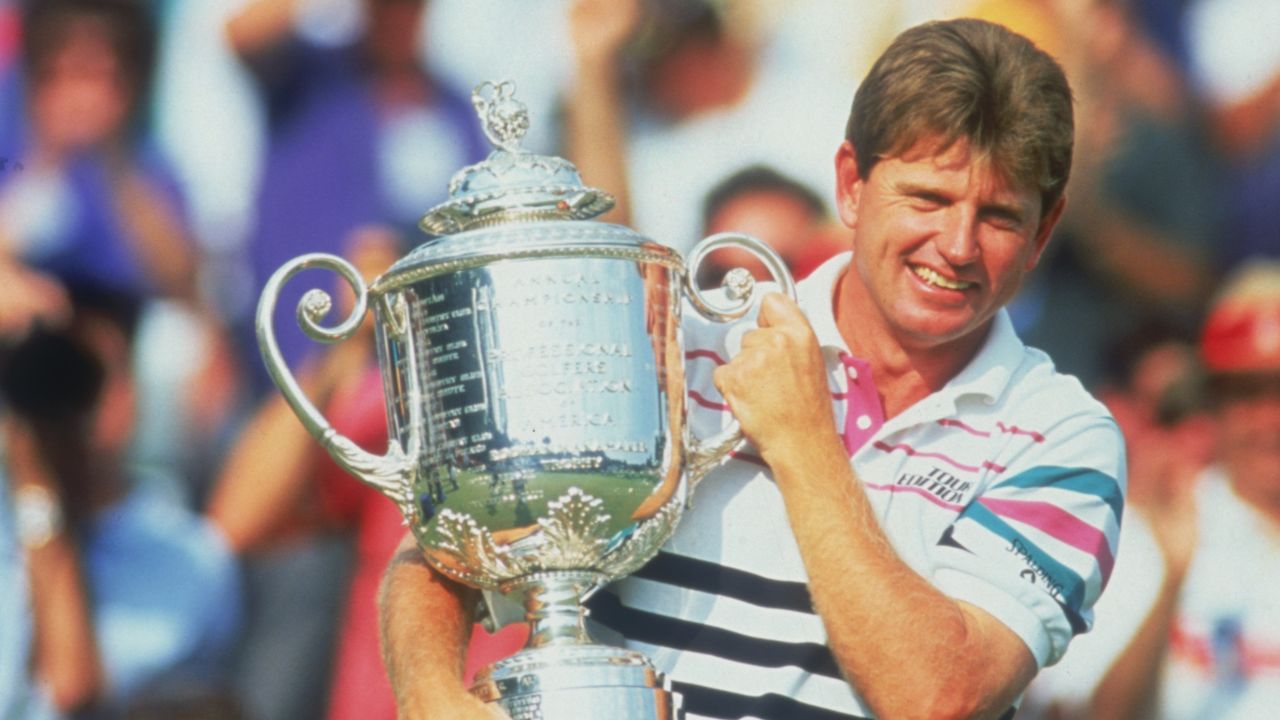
(786, 215)
(1142, 229)
(359, 133)
(133, 598)
(705, 103)
(88, 204)
(1235, 69)
(276, 468)
(91, 203)
(1206, 642)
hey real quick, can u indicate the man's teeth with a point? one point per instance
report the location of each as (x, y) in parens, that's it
(934, 278)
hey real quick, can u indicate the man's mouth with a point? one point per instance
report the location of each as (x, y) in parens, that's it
(933, 278)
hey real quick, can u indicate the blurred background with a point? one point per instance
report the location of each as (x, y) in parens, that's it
(172, 544)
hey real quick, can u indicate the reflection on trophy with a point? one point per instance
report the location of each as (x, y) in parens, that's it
(534, 378)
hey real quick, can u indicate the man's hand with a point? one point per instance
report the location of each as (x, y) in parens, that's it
(28, 297)
(777, 385)
(600, 28)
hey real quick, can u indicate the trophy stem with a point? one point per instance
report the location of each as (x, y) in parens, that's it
(553, 607)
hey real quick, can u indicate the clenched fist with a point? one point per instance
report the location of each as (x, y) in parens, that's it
(776, 385)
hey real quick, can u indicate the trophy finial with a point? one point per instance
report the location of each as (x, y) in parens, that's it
(505, 120)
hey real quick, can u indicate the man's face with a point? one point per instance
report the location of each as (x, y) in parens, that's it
(1249, 431)
(783, 222)
(393, 31)
(941, 239)
(81, 97)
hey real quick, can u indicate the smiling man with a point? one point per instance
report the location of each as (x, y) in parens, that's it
(929, 510)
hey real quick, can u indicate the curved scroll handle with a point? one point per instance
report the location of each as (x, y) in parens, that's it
(390, 474)
(739, 289)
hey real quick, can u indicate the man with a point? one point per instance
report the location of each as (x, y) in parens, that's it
(929, 511)
(104, 553)
(788, 216)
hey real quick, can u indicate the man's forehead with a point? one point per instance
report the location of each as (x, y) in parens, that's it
(935, 156)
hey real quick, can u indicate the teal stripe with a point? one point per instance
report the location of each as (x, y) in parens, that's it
(1072, 584)
(1081, 480)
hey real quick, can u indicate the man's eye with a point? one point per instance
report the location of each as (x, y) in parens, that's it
(1003, 221)
(927, 201)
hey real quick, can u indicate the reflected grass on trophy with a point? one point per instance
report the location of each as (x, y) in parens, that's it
(498, 502)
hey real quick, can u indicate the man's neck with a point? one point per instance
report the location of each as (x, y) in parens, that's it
(905, 373)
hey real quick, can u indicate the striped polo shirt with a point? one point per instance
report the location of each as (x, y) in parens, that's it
(1004, 489)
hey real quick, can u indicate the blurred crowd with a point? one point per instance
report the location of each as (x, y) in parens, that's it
(174, 545)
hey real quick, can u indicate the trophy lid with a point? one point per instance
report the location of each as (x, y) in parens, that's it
(512, 185)
(516, 204)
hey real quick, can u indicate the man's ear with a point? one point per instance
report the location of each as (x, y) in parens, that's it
(1044, 231)
(848, 184)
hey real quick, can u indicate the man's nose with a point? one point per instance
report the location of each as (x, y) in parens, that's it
(958, 240)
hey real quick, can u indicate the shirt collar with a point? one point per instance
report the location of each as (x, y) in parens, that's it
(986, 375)
(816, 297)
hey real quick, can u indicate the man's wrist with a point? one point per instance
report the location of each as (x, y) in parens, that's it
(37, 516)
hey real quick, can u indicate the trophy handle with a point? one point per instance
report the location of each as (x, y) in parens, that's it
(739, 290)
(390, 474)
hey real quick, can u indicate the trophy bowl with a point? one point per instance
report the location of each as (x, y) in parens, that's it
(533, 373)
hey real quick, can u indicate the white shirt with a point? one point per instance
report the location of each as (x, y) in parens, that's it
(1003, 489)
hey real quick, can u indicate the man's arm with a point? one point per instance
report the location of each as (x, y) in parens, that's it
(273, 463)
(260, 24)
(66, 651)
(908, 649)
(596, 125)
(1131, 686)
(426, 620)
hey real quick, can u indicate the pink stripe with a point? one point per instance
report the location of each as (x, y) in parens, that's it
(1015, 430)
(694, 354)
(1011, 429)
(916, 490)
(1060, 524)
(938, 456)
(962, 426)
(704, 402)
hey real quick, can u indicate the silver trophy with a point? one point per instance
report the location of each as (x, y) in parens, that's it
(533, 371)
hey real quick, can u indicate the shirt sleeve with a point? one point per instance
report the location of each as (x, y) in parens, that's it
(1036, 548)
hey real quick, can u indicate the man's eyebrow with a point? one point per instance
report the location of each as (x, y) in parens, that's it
(917, 188)
(1011, 210)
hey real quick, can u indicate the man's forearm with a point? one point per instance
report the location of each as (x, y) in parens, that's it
(66, 652)
(907, 648)
(426, 620)
(1131, 686)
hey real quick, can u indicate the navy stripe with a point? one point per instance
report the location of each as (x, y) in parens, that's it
(641, 626)
(698, 700)
(691, 574)
(705, 701)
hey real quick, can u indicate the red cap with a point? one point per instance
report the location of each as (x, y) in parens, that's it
(1242, 333)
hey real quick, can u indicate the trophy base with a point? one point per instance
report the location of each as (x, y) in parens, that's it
(571, 682)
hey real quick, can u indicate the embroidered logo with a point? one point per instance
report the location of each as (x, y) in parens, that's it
(939, 483)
